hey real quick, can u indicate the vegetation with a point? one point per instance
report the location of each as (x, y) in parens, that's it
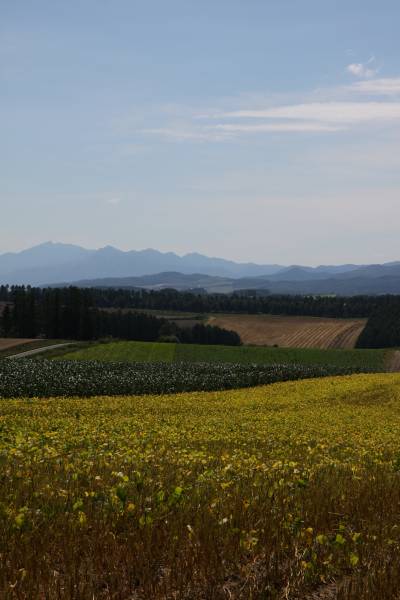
(71, 314)
(24, 377)
(84, 314)
(383, 326)
(249, 302)
(240, 302)
(157, 352)
(274, 492)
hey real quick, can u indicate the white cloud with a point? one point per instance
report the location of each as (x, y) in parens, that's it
(363, 70)
(378, 87)
(113, 201)
(277, 127)
(325, 112)
(360, 70)
(182, 134)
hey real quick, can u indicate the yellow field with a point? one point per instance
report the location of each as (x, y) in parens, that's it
(283, 491)
(293, 332)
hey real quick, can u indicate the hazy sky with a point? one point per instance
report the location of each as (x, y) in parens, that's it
(264, 130)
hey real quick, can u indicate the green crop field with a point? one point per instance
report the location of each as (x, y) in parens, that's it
(42, 378)
(286, 491)
(156, 352)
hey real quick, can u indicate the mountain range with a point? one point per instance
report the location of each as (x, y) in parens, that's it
(55, 264)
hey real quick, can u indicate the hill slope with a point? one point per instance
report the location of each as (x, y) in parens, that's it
(150, 490)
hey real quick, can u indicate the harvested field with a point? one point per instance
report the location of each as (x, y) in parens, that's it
(293, 332)
(6, 343)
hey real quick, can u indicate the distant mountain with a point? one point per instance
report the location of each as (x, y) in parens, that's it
(170, 279)
(53, 263)
(211, 284)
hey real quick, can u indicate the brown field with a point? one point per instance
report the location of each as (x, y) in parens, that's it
(293, 332)
(7, 343)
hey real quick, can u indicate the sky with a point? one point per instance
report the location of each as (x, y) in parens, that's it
(255, 130)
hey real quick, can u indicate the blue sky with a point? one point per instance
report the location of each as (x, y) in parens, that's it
(253, 130)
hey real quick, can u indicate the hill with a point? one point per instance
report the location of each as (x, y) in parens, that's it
(369, 281)
(293, 486)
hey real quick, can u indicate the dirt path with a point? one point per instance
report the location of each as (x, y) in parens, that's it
(394, 362)
(38, 350)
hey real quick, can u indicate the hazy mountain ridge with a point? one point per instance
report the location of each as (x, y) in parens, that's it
(40, 264)
(212, 284)
(54, 263)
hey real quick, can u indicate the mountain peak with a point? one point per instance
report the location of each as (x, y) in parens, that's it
(52, 262)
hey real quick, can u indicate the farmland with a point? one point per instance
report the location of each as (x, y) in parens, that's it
(293, 332)
(8, 343)
(283, 491)
(157, 352)
(25, 377)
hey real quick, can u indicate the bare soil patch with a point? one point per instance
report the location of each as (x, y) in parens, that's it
(394, 362)
(6, 343)
(293, 332)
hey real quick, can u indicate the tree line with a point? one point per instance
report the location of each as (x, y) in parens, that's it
(247, 302)
(383, 326)
(72, 313)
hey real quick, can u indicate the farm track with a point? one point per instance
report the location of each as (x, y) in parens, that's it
(38, 350)
(8, 343)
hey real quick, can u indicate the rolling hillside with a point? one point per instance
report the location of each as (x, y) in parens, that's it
(149, 490)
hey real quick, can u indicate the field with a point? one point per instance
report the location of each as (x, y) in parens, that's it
(157, 352)
(41, 378)
(287, 491)
(293, 332)
(8, 343)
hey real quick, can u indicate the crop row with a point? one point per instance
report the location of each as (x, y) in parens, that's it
(90, 378)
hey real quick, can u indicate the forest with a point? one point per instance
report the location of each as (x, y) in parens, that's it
(71, 313)
(85, 313)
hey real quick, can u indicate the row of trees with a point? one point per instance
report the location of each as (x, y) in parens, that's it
(383, 326)
(84, 314)
(71, 313)
(249, 302)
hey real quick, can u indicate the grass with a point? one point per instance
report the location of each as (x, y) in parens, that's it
(272, 492)
(151, 352)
